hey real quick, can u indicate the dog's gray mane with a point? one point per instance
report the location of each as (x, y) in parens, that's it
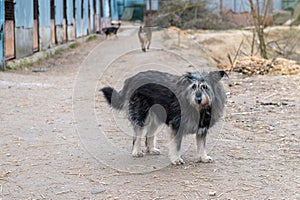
(190, 116)
(180, 85)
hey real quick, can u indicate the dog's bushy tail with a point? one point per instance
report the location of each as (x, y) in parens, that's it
(113, 97)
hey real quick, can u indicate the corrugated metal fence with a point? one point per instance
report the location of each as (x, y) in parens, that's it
(35, 25)
(27, 26)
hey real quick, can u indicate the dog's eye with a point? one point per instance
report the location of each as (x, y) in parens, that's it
(194, 86)
(204, 87)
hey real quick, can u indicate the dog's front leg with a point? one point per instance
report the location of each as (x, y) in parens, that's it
(201, 146)
(150, 145)
(136, 149)
(174, 148)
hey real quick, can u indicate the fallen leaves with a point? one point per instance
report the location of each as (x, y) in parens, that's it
(259, 66)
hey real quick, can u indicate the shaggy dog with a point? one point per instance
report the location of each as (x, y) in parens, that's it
(188, 104)
(145, 35)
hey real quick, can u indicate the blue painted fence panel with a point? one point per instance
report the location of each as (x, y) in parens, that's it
(114, 10)
(129, 3)
(91, 4)
(98, 11)
(240, 5)
(78, 7)
(105, 8)
(59, 12)
(154, 5)
(2, 44)
(24, 13)
(91, 7)
(44, 10)
(92, 14)
(277, 4)
(70, 9)
(120, 7)
(86, 16)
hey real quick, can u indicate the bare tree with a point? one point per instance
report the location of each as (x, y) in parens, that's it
(259, 22)
(187, 14)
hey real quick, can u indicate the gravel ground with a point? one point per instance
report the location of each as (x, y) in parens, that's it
(53, 123)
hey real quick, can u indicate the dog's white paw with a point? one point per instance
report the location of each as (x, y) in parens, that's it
(137, 154)
(205, 159)
(177, 161)
(154, 151)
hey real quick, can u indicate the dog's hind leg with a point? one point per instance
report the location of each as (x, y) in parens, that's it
(148, 44)
(156, 116)
(137, 150)
(143, 47)
(174, 148)
(201, 146)
(150, 141)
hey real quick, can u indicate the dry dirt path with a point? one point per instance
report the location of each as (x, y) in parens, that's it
(60, 140)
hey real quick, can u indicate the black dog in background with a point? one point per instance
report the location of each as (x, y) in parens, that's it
(188, 104)
(113, 30)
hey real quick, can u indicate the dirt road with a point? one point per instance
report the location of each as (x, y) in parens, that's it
(60, 140)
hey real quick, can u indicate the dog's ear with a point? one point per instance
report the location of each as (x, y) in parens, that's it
(217, 75)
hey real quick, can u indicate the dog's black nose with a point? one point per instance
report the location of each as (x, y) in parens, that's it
(198, 99)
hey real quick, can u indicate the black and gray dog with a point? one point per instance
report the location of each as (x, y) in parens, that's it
(188, 104)
(112, 30)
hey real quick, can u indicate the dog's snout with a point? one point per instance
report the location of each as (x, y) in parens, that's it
(198, 97)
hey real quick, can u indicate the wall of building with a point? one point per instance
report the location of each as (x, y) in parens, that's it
(239, 6)
(9, 29)
(85, 17)
(23, 28)
(70, 20)
(154, 5)
(44, 25)
(35, 25)
(138, 6)
(59, 21)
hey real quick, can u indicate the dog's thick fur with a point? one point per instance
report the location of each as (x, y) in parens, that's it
(145, 35)
(113, 30)
(188, 104)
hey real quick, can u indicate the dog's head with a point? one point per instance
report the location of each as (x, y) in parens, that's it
(199, 87)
